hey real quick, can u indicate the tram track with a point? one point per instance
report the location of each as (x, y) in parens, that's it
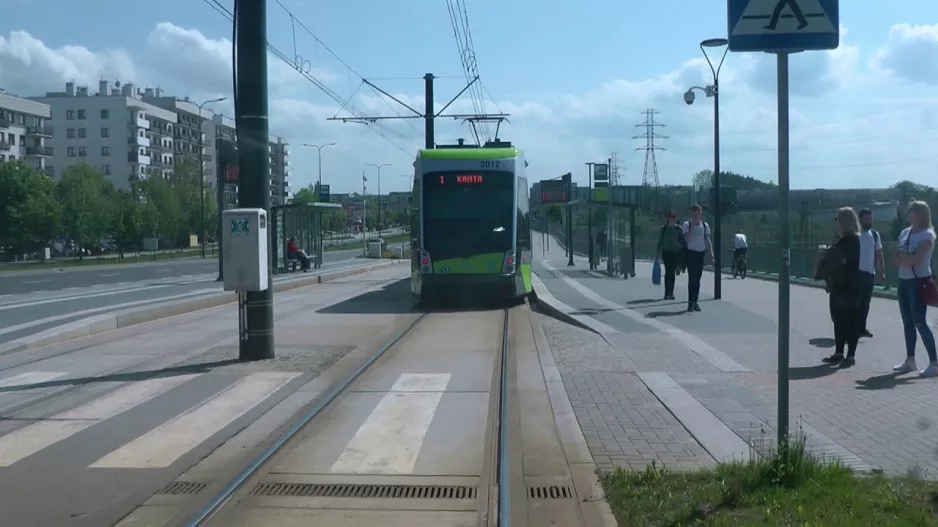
(231, 494)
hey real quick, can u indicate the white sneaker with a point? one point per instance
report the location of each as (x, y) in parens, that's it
(905, 366)
(930, 371)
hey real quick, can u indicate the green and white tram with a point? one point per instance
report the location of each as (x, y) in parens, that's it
(471, 223)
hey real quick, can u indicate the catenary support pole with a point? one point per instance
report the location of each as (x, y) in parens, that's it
(254, 163)
(428, 112)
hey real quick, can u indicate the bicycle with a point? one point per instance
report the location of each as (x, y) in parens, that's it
(739, 265)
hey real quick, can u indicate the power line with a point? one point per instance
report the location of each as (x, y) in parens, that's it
(303, 67)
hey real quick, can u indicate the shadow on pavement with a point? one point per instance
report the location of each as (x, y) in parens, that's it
(395, 298)
(660, 314)
(802, 373)
(822, 342)
(641, 301)
(886, 381)
(172, 371)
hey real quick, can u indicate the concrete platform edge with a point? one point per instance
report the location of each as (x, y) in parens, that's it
(596, 511)
(122, 319)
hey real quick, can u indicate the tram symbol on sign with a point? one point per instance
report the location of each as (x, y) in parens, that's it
(240, 227)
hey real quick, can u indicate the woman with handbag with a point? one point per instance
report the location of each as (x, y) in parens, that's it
(842, 263)
(669, 252)
(917, 286)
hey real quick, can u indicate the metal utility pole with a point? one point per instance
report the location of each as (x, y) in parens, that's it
(202, 176)
(319, 155)
(784, 273)
(378, 168)
(589, 215)
(716, 187)
(364, 215)
(254, 161)
(319, 188)
(568, 180)
(428, 114)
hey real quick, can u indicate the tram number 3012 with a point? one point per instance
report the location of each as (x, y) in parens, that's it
(490, 164)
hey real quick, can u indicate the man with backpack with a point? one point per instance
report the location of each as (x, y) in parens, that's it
(872, 266)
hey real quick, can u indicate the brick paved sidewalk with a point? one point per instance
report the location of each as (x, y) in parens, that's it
(724, 359)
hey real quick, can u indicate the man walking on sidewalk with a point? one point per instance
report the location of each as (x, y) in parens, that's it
(697, 236)
(872, 265)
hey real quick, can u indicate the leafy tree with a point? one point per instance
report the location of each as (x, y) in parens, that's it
(29, 208)
(126, 220)
(85, 206)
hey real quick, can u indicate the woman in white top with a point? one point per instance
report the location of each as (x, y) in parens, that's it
(913, 258)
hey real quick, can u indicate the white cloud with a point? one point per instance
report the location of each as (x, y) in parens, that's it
(849, 120)
(911, 53)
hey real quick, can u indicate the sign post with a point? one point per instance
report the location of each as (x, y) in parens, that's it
(783, 27)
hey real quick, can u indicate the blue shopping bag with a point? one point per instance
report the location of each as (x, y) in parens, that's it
(656, 272)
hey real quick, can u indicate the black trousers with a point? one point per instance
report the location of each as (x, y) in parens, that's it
(669, 259)
(844, 307)
(694, 260)
(865, 297)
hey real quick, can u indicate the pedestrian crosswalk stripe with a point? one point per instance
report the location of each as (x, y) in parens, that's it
(163, 445)
(25, 442)
(30, 377)
(390, 439)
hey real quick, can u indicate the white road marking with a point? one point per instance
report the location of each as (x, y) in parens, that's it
(78, 296)
(115, 307)
(30, 377)
(390, 439)
(108, 274)
(34, 281)
(25, 442)
(162, 446)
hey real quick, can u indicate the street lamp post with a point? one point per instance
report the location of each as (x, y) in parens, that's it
(319, 189)
(378, 168)
(713, 91)
(202, 175)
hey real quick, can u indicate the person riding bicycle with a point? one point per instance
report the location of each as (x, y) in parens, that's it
(740, 248)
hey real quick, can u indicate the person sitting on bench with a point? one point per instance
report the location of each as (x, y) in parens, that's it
(295, 253)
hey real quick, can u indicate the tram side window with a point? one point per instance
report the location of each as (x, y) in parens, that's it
(524, 216)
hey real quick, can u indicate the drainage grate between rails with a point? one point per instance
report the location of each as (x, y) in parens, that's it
(335, 490)
(183, 488)
(550, 492)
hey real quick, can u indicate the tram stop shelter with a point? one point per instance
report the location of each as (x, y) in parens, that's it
(303, 222)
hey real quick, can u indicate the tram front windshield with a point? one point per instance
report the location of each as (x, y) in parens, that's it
(467, 213)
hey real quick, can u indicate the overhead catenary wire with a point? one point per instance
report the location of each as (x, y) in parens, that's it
(344, 104)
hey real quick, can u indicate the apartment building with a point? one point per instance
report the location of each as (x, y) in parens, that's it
(195, 133)
(24, 131)
(114, 130)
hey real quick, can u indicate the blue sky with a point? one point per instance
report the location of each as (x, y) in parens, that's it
(575, 78)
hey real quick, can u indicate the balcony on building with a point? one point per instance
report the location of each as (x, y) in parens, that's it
(157, 144)
(138, 121)
(39, 131)
(139, 140)
(5, 147)
(39, 151)
(134, 157)
(5, 122)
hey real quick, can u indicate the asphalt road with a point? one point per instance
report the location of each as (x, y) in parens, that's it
(57, 279)
(28, 313)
